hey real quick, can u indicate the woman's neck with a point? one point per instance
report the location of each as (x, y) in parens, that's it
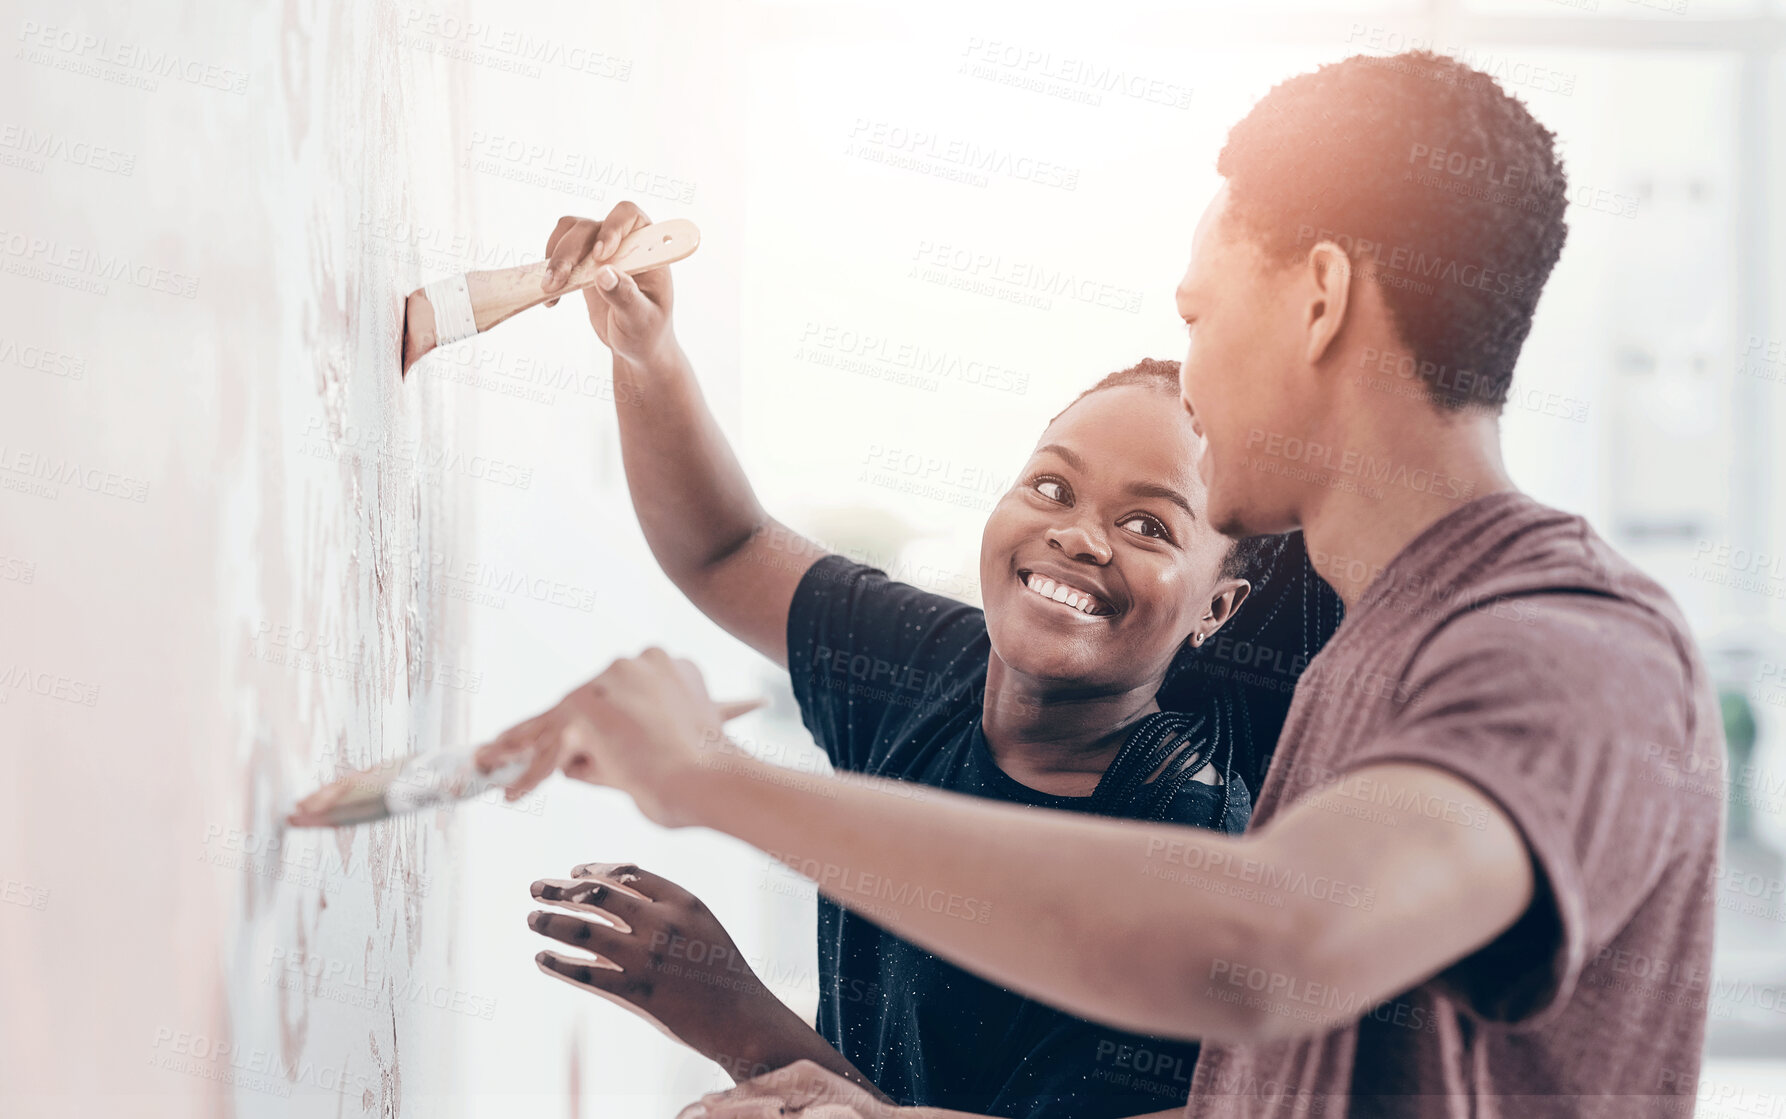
(1054, 739)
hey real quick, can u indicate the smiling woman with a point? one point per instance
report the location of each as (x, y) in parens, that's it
(1099, 573)
(1101, 576)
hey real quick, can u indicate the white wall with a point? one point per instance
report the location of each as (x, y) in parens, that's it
(274, 554)
(236, 604)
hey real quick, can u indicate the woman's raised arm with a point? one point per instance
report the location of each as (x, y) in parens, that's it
(700, 517)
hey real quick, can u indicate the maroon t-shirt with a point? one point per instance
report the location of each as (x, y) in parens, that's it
(1511, 647)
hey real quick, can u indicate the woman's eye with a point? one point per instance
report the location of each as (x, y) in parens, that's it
(1146, 526)
(1051, 489)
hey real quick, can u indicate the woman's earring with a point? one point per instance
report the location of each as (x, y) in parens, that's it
(1197, 638)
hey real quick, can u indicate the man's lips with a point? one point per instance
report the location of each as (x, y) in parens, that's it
(1065, 594)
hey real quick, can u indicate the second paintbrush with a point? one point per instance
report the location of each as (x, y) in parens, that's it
(455, 308)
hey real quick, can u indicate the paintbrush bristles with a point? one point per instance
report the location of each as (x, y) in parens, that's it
(419, 334)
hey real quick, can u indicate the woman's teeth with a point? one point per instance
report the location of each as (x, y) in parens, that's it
(1066, 596)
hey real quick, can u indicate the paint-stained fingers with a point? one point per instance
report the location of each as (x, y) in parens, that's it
(621, 220)
(591, 974)
(622, 876)
(573, 245)
(603, 940)
(600, 934)
(649, 885)
(591, 895)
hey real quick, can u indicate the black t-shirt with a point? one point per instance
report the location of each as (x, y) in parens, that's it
(890, 681)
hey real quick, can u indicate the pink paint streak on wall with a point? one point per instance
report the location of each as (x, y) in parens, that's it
(245, 608)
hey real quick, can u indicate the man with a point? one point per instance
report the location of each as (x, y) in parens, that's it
(1469, 830)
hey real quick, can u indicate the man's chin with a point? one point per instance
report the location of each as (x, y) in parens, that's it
(1241, 520)
(1225, 516)
(1236, 521)
(1233, 526)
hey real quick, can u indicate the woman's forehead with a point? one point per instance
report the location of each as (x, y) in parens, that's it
(1129, 430)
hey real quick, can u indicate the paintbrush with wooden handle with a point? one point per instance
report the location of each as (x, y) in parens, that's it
(435, 779)
(453, 309)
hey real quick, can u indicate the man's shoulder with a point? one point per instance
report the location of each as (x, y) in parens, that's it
(1529, 546)
(1555, 611)
(1542, 566)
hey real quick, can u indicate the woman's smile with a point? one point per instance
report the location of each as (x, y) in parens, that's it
(1063, 593)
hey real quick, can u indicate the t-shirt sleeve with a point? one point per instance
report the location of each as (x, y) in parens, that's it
(1560, 708)
(868, 655)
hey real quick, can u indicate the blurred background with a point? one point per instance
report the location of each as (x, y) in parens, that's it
(238, 552)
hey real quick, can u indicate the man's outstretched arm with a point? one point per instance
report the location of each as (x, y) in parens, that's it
(1155, 928)
(1159, 929)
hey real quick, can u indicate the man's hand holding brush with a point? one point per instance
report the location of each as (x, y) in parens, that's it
(645, 726)
(607, 712)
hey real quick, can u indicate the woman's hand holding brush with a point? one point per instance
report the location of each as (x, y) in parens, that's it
(631, 314)
(454, 308)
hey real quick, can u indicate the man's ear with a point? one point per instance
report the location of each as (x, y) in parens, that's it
(1329, 290)
(1227, 597)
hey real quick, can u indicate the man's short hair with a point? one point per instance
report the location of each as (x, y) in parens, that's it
(1436, 183)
